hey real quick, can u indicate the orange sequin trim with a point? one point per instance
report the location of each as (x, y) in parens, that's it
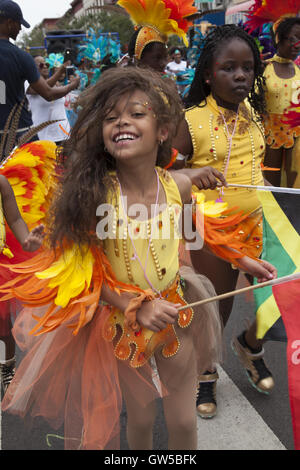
(279, 134)
(146, 35)
(139, 346)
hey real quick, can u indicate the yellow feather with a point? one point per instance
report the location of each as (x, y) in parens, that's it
(71, 273)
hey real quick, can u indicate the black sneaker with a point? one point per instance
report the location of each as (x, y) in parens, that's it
(206, 396)
(257, 372)
(7, 372)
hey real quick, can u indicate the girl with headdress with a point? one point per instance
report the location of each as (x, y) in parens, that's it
(282, 80)
(136, 343)
(155, 21)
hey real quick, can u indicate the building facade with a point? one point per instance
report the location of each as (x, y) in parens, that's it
(83, 7)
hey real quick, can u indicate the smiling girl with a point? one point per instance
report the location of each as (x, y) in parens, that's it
(136, 344)
(222, 138)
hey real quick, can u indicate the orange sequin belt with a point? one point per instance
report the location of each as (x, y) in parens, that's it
(279, 134)
(139, 346)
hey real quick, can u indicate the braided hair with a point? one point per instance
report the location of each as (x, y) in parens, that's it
(283, 29)
(214, 42)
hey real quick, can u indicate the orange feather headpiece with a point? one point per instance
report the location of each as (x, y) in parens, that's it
(271, 11)
(159, 19)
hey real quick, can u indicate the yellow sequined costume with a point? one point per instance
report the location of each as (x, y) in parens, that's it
(161, 256)
(280, 92)
(210, 148)
(74, 379)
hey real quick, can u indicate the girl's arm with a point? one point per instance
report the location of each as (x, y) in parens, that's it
(30, 241)
(154, 314)
(204, 178)
(51, 81)
(262, 270)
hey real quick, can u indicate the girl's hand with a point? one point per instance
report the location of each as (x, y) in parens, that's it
(207, 177)
(262, 270)
(157, 314)
(35, 239)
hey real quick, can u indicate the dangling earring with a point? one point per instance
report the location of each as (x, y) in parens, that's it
(161, 141)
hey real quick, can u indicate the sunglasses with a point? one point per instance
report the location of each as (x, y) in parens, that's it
(41, 65)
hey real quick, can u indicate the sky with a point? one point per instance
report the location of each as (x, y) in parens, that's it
(34, 11)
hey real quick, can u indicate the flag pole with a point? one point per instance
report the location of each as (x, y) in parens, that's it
(272, 282)
(274, 189)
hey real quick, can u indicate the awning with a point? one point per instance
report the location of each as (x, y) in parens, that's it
(240, 7)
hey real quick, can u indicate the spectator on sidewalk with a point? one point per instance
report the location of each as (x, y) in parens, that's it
(16, 67)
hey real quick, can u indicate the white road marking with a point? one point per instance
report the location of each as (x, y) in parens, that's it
(237, 425)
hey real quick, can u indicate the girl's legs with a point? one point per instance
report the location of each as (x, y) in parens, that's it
(140, 419)
(251, 339)
(273, 159)
(9, 341)
(179, 405)
(224, 279)
(279, 158)
(290, 174)
(7, 365)
(221, 275)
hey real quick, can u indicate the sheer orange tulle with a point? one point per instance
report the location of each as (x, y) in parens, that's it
(232, 236)
(77, 381)
(72, 381)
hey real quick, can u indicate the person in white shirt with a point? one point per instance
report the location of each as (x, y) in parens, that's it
(43, 110)
(177, 65)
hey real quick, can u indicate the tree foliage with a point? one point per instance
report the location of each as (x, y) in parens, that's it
(106, 22)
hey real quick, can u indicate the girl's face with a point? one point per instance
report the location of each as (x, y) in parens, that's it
(130, 129)
(155, 57)
(232, 74)
(286, 48)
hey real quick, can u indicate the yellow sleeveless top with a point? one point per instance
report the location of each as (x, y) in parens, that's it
(130, 254)
(280, 91)
(210, 148)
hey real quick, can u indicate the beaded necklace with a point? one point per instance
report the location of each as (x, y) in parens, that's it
(229, 141)
(229, 148)
(150, 242)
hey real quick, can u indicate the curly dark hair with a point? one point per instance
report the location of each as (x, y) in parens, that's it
(283, 30)
(214, 42)
(85, 161)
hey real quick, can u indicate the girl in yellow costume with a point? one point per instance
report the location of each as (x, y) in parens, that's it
(282, 80)
(85, 357)
(223, 138)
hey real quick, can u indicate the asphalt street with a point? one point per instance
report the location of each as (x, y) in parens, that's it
(246, 420)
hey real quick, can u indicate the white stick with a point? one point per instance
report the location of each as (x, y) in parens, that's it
(272, 282)
(274, 189)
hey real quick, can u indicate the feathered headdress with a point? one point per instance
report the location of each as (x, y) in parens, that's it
(159, 19)
(271, 11)
(98, 46)
(54, 60)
